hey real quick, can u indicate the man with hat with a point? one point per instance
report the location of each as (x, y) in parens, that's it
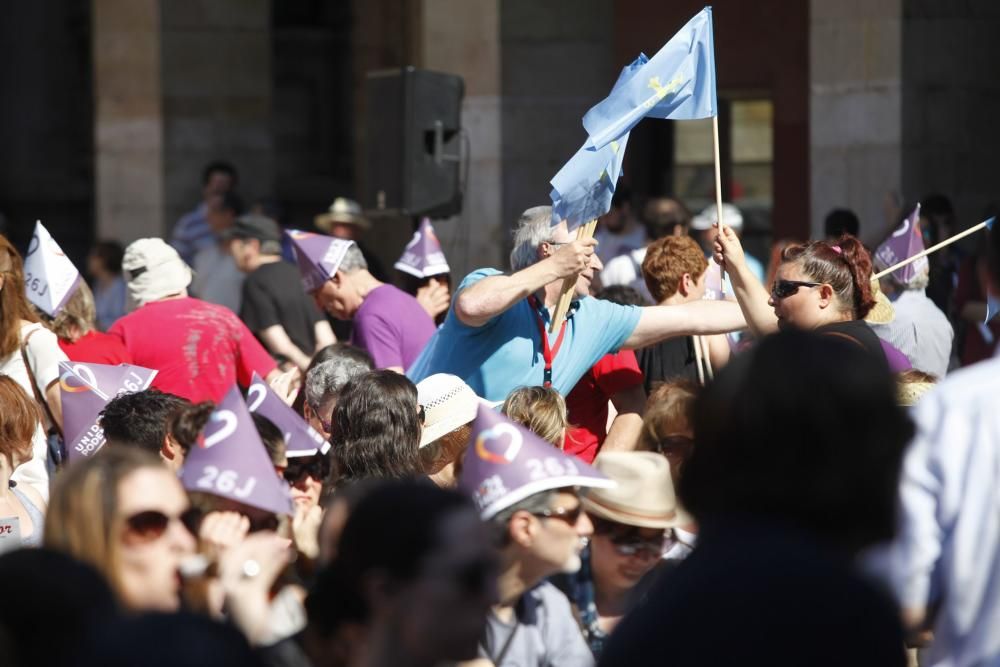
(344, 220)
(275, 308)
(200, 349)
(527, 489)
(704, 233)
(389, 324)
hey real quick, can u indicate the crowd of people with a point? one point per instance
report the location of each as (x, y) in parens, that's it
(708, 461)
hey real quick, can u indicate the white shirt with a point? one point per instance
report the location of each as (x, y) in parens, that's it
(948, 546)
(627, 270)
(611, 245)
(920, 331)
(44, 355)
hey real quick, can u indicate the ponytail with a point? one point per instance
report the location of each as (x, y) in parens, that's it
(844, 265)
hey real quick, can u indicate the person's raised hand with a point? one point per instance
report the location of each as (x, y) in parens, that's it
(305, 528)
(434, 297)
(286, 384)
(574, 257)
(220, 531)
(728, 249)
(247, 573)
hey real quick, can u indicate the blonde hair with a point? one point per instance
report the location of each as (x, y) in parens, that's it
(77, 318)
(541, 409)
(82, 518)
(669, 411)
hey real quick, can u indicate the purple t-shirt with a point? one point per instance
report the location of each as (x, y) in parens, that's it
(392, 327)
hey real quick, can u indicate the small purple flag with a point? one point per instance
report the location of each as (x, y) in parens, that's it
(905, 242)
(713, 282)
(85, 389)
(318, 256)
(423, 256)
(506, 463)
(301, 439)
(230, 461)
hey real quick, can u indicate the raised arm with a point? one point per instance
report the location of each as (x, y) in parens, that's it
(478, 304)
(750, 293)
(689, 319)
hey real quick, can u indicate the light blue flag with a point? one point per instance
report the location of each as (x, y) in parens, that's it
(678, 83)
(583, 188)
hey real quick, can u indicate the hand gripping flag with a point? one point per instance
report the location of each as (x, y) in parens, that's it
(678, 83)
(904, 243)
(506, 463)
(318, 256)
(49, 275)
(301, 439)
(85, 389)
(230, 461)
(583, 188)
(423, 256)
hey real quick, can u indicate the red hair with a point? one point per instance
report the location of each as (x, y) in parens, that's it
(845, 265)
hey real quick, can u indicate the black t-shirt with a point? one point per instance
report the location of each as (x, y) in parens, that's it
(858, 333)
(666, 361)
(273, 294)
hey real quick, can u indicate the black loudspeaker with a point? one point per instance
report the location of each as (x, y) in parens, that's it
(413, 142)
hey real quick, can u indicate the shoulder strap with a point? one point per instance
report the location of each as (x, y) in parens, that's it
(34, 384)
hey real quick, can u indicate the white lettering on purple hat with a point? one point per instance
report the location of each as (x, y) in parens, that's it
(230, 461)
(423, 256)
(318, 256)
(301, 439)
(85, 389)
(505, 463)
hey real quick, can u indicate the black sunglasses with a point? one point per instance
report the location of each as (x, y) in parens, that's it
(783, 289)
(152, 524)
(295, 471)
(628, 541)
(570, 516)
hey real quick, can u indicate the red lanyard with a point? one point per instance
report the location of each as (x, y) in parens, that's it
(548, 353)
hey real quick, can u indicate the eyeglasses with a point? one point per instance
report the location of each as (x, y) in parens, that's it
(295, 471)
(150, 525)
(783, 289)
(570, 516)
(627, 540)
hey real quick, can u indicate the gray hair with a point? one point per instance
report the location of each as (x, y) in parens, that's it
(325, 380)
(353, 260)
(533, 229)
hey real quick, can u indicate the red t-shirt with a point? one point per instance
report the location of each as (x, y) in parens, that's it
(96, 348)
(587, 404)
(200, 349)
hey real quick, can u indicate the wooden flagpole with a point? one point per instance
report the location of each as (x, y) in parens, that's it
(698, 359)
(718, 190)
(585, 231)
(707, 357)
(934, 248)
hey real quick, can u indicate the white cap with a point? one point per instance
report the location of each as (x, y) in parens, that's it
(731, 217)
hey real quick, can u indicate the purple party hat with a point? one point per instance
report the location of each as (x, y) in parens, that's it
(301, 439)
(506, 463)
(230, 461)
(85, 389)
(318, 256)
(423, 256)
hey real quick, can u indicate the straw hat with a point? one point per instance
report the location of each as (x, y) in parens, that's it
(342, 210)
(882, 312)
(644, 496)
(448, 404)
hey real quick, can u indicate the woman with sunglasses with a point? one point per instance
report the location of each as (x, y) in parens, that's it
(632, 530)
(124, 512)
(821, 285)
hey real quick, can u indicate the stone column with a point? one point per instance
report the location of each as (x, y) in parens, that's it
(128, 121)
(855, 109)
(463, 37)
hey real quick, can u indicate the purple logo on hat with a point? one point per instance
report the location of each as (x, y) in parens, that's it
(231, 461)
(301, 439)
(423, 256)
(904, 243)
(507, 463)
(85, 389)
(317, 256)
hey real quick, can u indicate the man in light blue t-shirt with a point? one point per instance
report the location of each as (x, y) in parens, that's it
(491, 337)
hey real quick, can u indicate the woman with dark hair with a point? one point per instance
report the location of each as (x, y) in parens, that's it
(821, 285)
(796, 469)
(411, 584)
(20, 417)
(376, 428)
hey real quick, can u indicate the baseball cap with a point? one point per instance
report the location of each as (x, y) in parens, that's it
(253, 226)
